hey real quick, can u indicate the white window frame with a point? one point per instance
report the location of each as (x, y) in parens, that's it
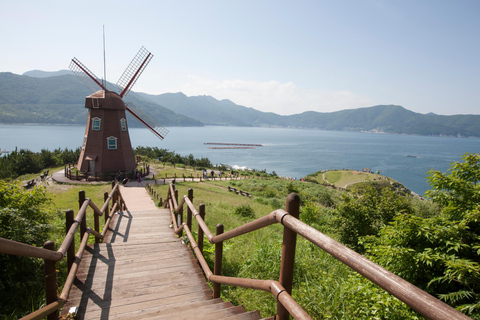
(94, 121)
(95, 103)
(123, 124)
(112, 143)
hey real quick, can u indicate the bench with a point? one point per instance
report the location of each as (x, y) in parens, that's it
(44, 175)
(29, 184)
(246, 194)
(243, 193)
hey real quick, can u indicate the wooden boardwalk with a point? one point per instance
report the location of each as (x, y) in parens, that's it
(143, 271)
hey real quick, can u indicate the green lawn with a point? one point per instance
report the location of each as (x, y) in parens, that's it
(346, 178)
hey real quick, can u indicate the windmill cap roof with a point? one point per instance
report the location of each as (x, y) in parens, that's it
(99, 94)
(104, 100)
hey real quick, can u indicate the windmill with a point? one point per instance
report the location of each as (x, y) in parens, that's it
(106, 145)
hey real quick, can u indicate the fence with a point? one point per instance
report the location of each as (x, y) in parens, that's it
(414, 297)
(71, 172)
(67, 249)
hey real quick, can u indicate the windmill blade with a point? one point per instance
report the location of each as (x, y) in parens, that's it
(85, 75)
(147, 121)
(133, 71)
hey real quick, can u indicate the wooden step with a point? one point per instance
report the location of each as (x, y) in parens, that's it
(160, 309)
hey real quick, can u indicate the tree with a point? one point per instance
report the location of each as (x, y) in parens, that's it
(365, 215)
(439, 254)
(22, 220)
(458, 190)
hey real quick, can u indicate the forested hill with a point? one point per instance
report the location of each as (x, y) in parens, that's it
(382, 118)
(58, 98)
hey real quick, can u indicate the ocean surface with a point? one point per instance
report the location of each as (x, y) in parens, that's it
(289, 152)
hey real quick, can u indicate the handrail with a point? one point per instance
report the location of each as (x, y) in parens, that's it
(16, 248)
(411, 295)
(71, 232)
(21, 249)
(272, 286)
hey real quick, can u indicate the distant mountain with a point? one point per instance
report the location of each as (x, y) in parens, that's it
(59, 97)
(382, 118)
(214, 112)
(46, 74)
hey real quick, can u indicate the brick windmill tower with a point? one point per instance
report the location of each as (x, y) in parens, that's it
(106, 146)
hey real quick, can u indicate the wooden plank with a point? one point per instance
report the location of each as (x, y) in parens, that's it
(166, 307)
(204, 313)
(127, 304)
(142, 285)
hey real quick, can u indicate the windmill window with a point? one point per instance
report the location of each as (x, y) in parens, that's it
(112, 143)
(123, 124)
(96, 124)
(95, 103)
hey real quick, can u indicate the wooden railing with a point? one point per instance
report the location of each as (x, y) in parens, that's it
(66, 249)
(417, 299)
(197, 177)
(71, 172)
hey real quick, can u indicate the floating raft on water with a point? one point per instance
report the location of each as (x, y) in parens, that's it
(232, 145)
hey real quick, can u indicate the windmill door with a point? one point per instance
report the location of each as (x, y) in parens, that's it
(91, 166)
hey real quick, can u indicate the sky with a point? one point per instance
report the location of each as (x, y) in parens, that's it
(278, 56)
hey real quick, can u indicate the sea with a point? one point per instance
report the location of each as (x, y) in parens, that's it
(292, 153)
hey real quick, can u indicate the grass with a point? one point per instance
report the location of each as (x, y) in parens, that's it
(346, 178)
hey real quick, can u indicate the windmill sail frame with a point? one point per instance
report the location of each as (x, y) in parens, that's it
(133, 71)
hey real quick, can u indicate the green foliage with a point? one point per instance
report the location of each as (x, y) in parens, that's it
(360, 216)
(244, 211)
(368, 301)
(22, 220)
(22, 162)
(166, 156)
(439, 254)
(458, 190)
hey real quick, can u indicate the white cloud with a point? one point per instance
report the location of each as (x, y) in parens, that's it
(272, 96)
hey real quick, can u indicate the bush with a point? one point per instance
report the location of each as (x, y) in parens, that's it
(245, 211)
(366, 215)
(440, 254)
(21, 220)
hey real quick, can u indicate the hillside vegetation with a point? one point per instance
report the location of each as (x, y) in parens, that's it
(59, 97)
(434, 244)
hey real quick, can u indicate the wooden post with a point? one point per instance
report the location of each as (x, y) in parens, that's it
(50, 281)
(201, 212)
(217, 268)
(71, 249)
(292, 206)
(83, 224)
(115, 199)
(96, 225)
(107, 211)
(189, 211)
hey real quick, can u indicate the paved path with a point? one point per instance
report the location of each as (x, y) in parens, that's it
(143, 271)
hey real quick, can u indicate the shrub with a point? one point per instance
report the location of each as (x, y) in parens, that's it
(366, 215)
(245, 211)
(22, 220)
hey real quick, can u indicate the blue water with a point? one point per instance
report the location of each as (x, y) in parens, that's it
(289, 152)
